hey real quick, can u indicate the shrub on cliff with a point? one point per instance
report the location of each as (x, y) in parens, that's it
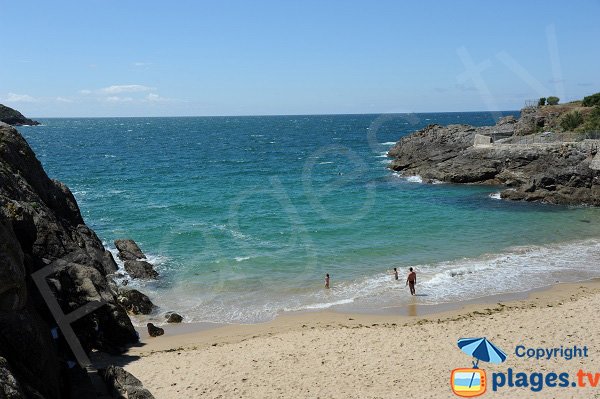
(590, 101)
(542, 102)
(552, 100)
(592, 121)
(571, 121)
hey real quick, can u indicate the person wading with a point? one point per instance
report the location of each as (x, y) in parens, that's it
(411, 280)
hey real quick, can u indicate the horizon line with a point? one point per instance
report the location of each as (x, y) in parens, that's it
(263, 115)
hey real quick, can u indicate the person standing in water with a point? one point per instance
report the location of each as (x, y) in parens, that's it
(395, 273)
(411, 280)
(327, 280)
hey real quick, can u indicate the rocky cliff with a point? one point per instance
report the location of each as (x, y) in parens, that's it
(554, 172)
(41, 225)
(14, 117)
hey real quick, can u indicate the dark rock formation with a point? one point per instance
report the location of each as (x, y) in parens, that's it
(135, 302)
(154, 331)
(140, 269)
(40, 225)
(129, 250)
(14, 117)
(173, 317)
(123, 384)
(559, 173)
(9, 386)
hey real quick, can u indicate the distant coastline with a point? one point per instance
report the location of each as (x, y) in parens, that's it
(14, 117)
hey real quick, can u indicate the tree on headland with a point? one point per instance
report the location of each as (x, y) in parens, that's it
(542, 102)
(552, 100)
(590, 101)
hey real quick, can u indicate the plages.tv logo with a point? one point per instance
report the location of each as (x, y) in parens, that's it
(470, 382)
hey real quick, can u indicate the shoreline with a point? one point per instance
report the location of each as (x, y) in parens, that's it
(441, 287)
(192, 333)
(344, 355)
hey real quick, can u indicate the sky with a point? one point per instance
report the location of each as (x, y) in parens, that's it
(195, 58)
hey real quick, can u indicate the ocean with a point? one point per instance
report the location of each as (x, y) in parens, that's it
(243, 216)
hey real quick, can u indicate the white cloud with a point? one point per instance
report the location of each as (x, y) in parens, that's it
(117, 99)
(132, 93)
(142, 64)
(63, 100)
(20, 98)
(117, 89)
(155, 98)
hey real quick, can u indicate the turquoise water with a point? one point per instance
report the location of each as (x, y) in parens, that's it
(243, 216)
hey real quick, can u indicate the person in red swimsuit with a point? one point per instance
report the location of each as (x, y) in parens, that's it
(411, 280)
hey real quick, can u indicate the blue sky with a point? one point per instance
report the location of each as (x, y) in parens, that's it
(150, 58)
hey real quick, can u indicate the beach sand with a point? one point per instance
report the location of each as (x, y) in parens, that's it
(333, 355)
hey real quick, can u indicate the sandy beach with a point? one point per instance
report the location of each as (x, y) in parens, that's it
(333, 355)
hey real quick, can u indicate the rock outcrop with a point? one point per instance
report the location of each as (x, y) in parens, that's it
(559, 172)
(14, 117)
(173, 317)
(9, 386)
(135, 302)
(154, 331)
(140, 269)
(129, 250)
(41, 226)
(123, 384)
(135, 264)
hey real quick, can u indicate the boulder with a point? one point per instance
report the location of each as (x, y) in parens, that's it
(122, 384)
(154, 331)
(140, 269)
(129, 250)
(480, 139)
(135, 302)
(173, 317)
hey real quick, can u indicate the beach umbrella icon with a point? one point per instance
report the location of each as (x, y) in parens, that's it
(481, 349)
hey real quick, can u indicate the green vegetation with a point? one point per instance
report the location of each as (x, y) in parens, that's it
(592, 121)
(592, 100)
(542, 102)
(552, 100)
(571, 121)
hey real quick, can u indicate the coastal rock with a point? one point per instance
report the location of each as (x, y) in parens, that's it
(123, 384)
(135, 302)
(9, 386)
(140, 269)
(41, 226)
(510, 119)
(154, 331)
(558, 173)
(129, 250)
(14, 117)
(173, 317)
